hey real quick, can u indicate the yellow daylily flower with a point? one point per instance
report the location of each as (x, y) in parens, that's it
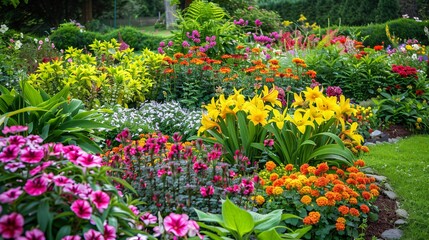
(316, 115)
(298, 100)
(207, 123)
(328, 106)
(212, 109)
(312, 94)
(345, 106)
(258, 116)
(225, 106)
(353, 134)
(301, 120)
(271, 96)
(279, 118)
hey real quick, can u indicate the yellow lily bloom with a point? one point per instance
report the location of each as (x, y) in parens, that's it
(258, 116)
(298, 100)
(301, 120)
(353, 134)
(207, 123)
(271, 96)
(279, 118)
(345, 106)
(316, 115)
(212, 109)
(312, 94)
(328, 106)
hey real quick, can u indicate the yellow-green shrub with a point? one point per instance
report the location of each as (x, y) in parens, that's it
(111, 74)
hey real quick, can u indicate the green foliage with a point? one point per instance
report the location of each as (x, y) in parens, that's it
(209, 20)
(69, 35)
(243, 224)
(54, 118)
(113, 75)
(270, 19)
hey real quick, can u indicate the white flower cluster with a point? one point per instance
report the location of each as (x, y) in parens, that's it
(3, 28)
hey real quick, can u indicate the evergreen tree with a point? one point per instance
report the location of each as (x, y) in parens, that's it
(387, 10)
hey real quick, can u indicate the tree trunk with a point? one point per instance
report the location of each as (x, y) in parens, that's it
(170, 12)
(87, 11)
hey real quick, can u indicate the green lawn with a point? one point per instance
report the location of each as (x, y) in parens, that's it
(406, 165)
(156, 32)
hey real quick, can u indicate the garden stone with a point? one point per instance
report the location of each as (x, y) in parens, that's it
(402, 213)
(375, 134)
(394, 140)
(392, 234)
(369, 144)
(377, 177)
(388, 187)
(367, 170)
(390, 194)
(400, 222)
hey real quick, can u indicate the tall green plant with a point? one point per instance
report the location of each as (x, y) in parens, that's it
(55, 119)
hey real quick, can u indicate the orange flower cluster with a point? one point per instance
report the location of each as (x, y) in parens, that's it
(312, 218)
(341, 224)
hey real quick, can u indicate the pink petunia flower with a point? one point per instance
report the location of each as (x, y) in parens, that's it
(30, 155)
(9, 153)
(93, 235)
(176, 224)
(100, 199)
(109, 232)
(16, 140)
(71, 237)
(89, 160)
(10, 195)
(34, 139)
(14, 129)
(13, 166)
(194, 229)
(11, 226)
(82, 209)
(148, 218)
(62, 181)
(134, 209)
(34, 234)
(36, 186)
(40, 168)
(138, 237)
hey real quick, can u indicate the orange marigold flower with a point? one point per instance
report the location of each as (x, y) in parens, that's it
(361, 186)
(226, 56)
(305, 190)
(178, 55)
(311, 73)
(330, 195)
(269, 190)
(273, 177)
(256, 50)
(279, 182)
(295, 183)
(264, 71)
(366, 195)
(321, 182)
(354, 212)
(315, 193)
(289, 167)
(168, 70)
(184, 63)
(375, 192)
(338, 196)
(343, 209)
(262, 182)
(322, 201)
(270, 165)
(352, 170)
(207, 68)
(225, 70)
(258, 78)
(353, 201)
(364, 208)
(306, 199)
(340, 224)
(304, 168)
(345, 195)
(314, 217)
(351, 181)
(197, 61)
(269, 80)
(277, 190)
(259, 200)
(239, 47)
(201, 54)
(323, 167)
(359, 163)
(250, 69)
(373, 186)
(298, 60)
(167, 59)
(338, 188)
(216, 61)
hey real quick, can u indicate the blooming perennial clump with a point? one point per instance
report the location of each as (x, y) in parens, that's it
(335, 201)
(63, 186)
(179, 176)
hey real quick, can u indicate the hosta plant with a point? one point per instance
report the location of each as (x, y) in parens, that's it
(241, 224)
(335, 201)
(54, 191)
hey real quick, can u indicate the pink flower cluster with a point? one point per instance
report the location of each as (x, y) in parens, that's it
(179, 225)
(241, 22)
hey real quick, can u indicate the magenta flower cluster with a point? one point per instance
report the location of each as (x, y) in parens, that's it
(38, 172)
(241, 22)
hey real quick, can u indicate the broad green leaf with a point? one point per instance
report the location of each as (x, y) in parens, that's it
(30, 94)
(236, 218)
(209, 217)
(44, 217)
(22, 110)
(124, 183)
(269, 235)
(98, 223)
(266, 221)
(64, 231)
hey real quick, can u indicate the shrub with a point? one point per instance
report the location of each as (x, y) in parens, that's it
(270, 19)
(334, 201)
(69, 35)
(134, 37)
